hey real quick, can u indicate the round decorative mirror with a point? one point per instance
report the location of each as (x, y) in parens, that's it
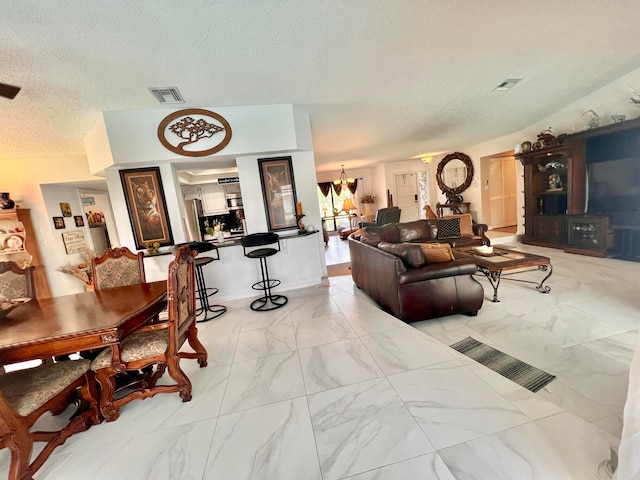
(454, 175)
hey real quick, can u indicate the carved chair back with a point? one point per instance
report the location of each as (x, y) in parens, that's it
(156, 344)
(117, 267)
(16, 282)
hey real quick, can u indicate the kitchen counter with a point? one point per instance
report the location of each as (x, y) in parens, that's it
(234, 274)
(235, 240)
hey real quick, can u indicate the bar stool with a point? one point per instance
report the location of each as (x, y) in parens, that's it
(203, 292)
(269, 301)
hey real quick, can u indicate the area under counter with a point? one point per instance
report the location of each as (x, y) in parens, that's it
(234, 274)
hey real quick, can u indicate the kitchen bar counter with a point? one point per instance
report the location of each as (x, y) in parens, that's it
(233, 274)
(235, 240)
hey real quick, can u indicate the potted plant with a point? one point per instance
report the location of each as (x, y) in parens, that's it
(367, 200)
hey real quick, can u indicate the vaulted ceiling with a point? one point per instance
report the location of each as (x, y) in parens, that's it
(382, 80)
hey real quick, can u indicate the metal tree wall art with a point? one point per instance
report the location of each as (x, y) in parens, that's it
(194, 132)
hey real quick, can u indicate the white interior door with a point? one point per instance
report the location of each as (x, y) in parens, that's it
(502, 184)
(406, 187)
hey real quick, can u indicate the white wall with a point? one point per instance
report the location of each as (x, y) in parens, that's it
(133, 135)
(22, 178)
(612, 99)
(56, 256)
(302, 259)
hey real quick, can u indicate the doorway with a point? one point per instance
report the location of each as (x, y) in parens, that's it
(499, 192)
(96, 207)
(406, 188)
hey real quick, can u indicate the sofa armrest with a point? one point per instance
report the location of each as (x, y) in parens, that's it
(480, 229)
(461, 266)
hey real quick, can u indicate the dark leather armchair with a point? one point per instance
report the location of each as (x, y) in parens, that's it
(384, 216)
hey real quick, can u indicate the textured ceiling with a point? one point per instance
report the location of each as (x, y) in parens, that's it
(382, 80)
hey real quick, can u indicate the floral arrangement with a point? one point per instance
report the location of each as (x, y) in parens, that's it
(368, 198)
(82, 270)
(152, 247)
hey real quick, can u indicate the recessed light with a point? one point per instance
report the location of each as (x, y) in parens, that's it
(507, 84)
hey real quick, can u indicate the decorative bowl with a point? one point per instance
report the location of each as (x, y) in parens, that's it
(7, 306)
(484, 249)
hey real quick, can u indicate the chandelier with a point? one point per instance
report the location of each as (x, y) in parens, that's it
(343, 180)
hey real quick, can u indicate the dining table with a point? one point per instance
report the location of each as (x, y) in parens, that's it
(56, 326)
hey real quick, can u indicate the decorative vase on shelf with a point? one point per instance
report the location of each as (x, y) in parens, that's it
(367, 210)
(5, 201)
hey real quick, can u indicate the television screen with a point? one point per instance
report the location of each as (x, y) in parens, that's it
(614, 186)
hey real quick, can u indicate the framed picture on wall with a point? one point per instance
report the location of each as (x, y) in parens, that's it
(147, 206)
(279, 192)
(58, 222)
(65, 208)
(79, 220)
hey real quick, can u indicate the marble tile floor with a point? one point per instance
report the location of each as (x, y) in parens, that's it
(336, 250)
(330, 387)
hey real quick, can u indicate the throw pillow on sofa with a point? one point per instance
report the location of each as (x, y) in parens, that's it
(449, 228)
(466, 224)
(437, 252)
(410, 253)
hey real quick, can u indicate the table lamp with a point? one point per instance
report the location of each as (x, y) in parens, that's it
(347, 206)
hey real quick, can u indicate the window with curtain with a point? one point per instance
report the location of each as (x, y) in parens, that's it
(330, 201)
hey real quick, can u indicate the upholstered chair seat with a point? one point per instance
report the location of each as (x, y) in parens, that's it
(26, 390)
(26, 395)
(136, 347)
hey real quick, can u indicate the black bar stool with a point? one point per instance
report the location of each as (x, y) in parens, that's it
(269, 301)
(203, 292)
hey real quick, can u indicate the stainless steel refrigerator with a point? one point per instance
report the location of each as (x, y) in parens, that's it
(192, 214)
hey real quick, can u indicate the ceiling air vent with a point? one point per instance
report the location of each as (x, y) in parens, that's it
(507, 84)
(167, 95)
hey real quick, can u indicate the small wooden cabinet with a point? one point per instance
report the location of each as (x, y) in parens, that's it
(549, 229)
(19, 245)
(589, 235)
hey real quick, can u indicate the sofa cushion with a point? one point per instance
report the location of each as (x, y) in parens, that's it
(436, 252)
(449, 228)
(466, 224)
(472, 241)
(385, 233)
(410, 253)
(417, 230)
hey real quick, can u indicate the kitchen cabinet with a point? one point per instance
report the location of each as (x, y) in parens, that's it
(189, 192)
(214, 200)
(18, 244)
(232, 188)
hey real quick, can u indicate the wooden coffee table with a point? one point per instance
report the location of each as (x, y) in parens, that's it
(493, 265)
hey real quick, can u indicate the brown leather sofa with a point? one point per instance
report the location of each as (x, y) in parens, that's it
(387, 264)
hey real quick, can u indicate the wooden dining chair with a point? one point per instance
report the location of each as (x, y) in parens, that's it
(117, 267)
(16, 282)
(26, 395)
(157, 344)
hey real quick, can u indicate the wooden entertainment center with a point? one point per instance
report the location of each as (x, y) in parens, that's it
(582, 191)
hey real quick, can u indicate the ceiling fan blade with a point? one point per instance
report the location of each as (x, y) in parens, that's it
(8, 91)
